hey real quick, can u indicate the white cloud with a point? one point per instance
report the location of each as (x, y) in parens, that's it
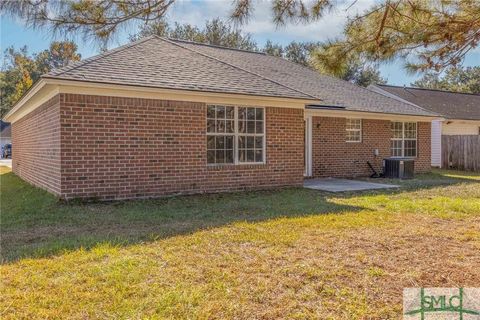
(261, 26)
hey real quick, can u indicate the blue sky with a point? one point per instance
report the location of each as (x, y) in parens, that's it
(14, 33)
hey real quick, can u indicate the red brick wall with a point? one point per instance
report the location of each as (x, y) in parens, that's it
(36, 146)
(333, 157)
(117, 148)
(423, 162)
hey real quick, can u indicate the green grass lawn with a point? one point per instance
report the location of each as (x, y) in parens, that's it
(290, 253)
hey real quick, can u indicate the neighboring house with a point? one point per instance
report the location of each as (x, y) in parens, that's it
(5, 135)
(162, 116)
(461, 112)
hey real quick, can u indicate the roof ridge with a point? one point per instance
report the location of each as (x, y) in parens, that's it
(213, 45)
(237, 67)
(96, 57)
(427, 89)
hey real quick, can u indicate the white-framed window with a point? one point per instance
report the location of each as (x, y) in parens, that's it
(220, 134)
(404, 139)
(235, 134)
(354, 130)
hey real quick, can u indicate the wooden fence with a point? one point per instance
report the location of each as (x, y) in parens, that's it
(461, 152)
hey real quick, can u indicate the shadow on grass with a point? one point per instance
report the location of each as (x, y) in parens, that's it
(35, 224)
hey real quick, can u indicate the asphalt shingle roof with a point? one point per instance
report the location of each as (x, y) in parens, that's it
(177, 64)
(451, 105)
(155, 62)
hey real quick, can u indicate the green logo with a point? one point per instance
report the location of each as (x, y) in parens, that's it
(435, 303)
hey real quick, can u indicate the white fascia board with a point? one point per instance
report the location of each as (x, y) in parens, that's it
(46, 88)
(40, 93)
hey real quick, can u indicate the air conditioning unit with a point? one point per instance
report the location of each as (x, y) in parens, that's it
(402, 168)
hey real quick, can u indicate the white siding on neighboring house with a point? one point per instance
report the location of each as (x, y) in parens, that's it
(436, 143)
(458, 127)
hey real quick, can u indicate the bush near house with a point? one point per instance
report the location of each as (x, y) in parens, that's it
(289, 253)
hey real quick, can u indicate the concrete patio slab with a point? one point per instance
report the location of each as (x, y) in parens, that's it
(342, 185)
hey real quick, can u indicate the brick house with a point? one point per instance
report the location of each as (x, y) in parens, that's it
(162, 116)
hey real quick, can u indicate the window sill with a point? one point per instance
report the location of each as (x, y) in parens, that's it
(233, 166)
(403, 157)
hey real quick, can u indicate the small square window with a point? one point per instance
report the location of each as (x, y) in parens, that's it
(353, 130)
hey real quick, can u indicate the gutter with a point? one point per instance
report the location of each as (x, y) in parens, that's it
(342, 112)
